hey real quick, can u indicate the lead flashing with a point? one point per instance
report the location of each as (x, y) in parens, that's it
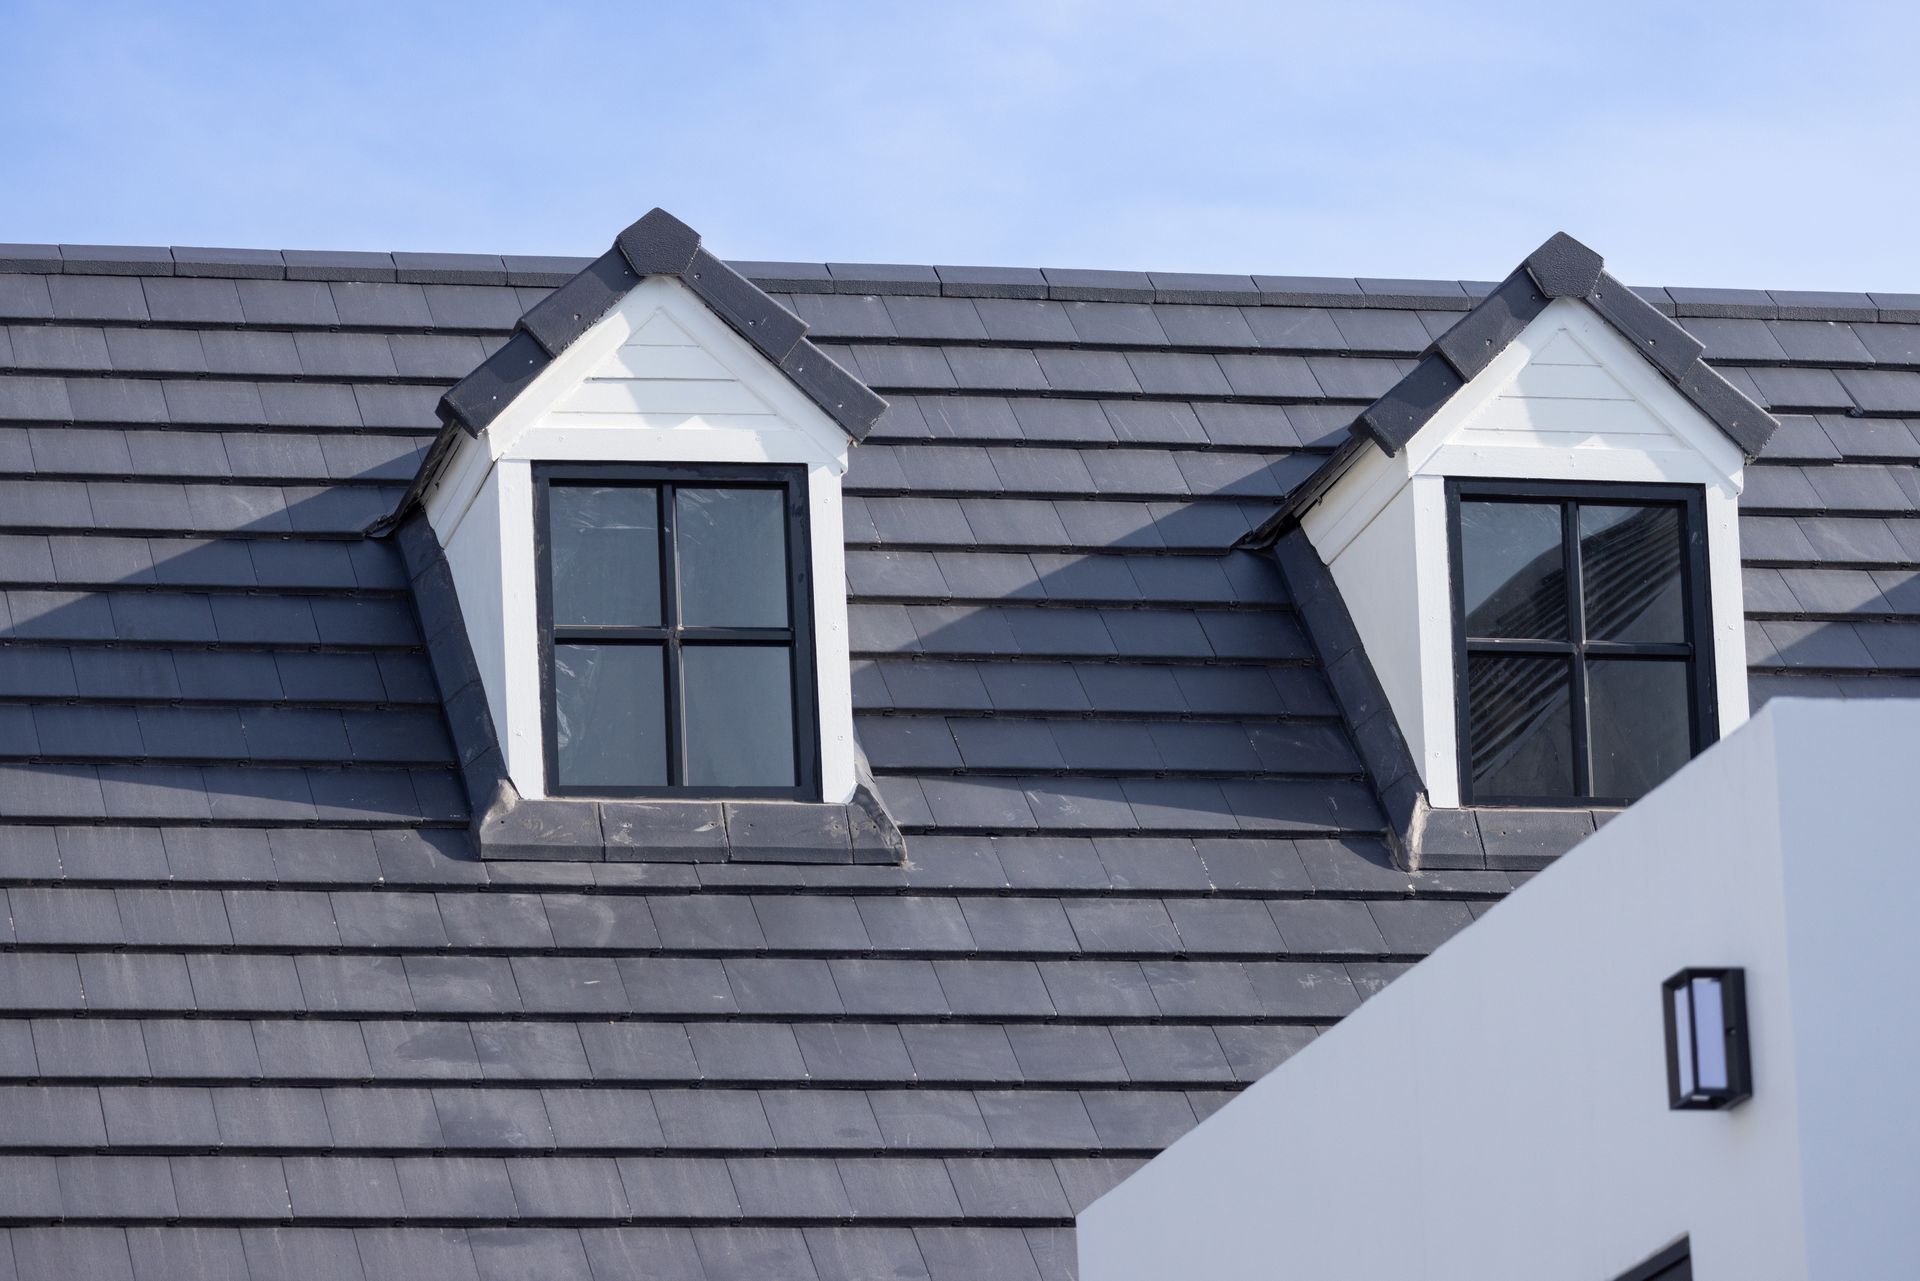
(1421, 837)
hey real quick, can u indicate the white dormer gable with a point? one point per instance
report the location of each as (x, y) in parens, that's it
(1568, 399)
(660, 378)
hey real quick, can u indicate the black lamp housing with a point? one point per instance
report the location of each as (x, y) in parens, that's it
(1709, 1065)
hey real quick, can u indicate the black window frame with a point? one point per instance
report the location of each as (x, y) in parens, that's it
(1697, 649)
(791, 480)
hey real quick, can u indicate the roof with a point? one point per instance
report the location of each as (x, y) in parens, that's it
(265, 1015)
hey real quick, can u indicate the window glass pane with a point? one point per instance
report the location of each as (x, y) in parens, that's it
(1521, 729)
(1640, 723)
(739, 715)
(609, 704)
(1630, 573)
(1514, 574)
(732, 545)
(606, 554)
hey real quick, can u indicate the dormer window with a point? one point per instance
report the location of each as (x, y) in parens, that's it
(1523, 565)
(627, 553)
(674, 610)
(1578, 611)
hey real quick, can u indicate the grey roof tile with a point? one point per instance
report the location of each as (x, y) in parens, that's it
(97, 298)
(611, 1119)
(567, 1187)
(1171, 1053)
(747, 1051)
(212, 1253)
(667, 1253)
(853, 1052)
(504, 1254)
(1062, 1053)
(821, 1119)
(230, 1187)
(382, 1118)
(421, 1051)
(291, 1254)
(929, 1119)
(116, 1187)
(959, 1253)
(1136, 1119)
(789, 1188)
(491, 1118)
(1007, 1188)
(342, 1187)
(849, 1254)
(749, 1253)
(955, 1053)
(72, 1251)
(678, 1187)
(1037, 1120)
(455, 1187)
(267, 1118)
(434, 1254)
(569, 984)
(145, 981)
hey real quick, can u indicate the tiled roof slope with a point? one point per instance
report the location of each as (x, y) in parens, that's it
(263, 1015)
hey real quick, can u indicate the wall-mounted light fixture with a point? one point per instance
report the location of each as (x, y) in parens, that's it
(1708, 1065)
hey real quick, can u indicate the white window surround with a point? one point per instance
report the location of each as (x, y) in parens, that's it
(1567, 400)
(659, 379)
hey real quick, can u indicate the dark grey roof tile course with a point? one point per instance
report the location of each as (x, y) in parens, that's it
(1044, 536)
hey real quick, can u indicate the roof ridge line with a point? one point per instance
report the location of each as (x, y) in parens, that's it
(1061, 284)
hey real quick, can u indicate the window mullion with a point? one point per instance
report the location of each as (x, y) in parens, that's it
(670, 616)
(1577, 632)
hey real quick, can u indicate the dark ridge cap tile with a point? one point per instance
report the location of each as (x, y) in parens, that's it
(1824, 304)
(1897, 308)
(791, 277)
(1203, 287)
(253, 264)
(542, 270)
(338, 264)
(1310, 291)
(1747, 304)
(1414, 293)
(875, 277)
(1081, 284)
(35, 258)
(116, 260)
(992, 282)
(450, 269)
(1656, 296)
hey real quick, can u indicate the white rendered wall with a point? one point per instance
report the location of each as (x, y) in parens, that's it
(1499, 1113)
(659, 379)
(1568, 399)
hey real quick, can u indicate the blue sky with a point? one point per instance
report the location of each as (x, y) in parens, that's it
(1709, 143)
